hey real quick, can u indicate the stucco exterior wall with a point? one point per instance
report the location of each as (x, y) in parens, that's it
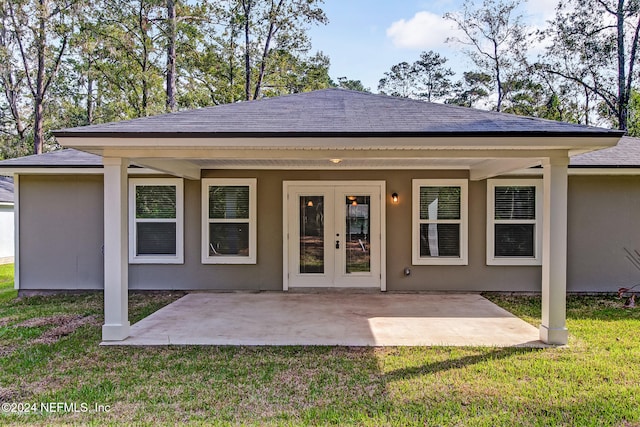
(61, 232)
(61, 237)
(267, 273)
(604, 218)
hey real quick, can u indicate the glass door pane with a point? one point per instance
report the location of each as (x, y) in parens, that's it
(357, 234)
(312, 256)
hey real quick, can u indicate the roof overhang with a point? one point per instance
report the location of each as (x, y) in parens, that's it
(484, 156)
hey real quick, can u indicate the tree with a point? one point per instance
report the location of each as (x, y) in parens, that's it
(594, 44)
(289, 74)
(496, 38)
(129, 57)
(472, 88)
(346, 83)
(39, 32)
(633, 123)
(273, 25)
(12, 81)
(431, 77)
(114, 60)
(399, 81)
(427, 78)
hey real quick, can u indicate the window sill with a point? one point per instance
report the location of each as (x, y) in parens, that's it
(229, 260)
(156, 260)
(524, 262)
(440, 261)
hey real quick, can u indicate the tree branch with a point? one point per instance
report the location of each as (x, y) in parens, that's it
(23, 54)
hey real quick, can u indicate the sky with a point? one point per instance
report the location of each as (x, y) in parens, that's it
(364, 38)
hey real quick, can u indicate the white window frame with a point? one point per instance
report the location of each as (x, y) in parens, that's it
(463, 259)
(252, 220)
(491, 222)
(178, 258)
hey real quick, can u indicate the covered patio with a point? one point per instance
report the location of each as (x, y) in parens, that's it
(334, 318)
(324, 132)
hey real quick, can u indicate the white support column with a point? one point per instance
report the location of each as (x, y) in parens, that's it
(116, 264)
(554, 252)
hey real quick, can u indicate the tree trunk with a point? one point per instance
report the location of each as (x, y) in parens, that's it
(622, 95)
(90, 106)
(142, 22)
(38, 99)
(586, 106)
(267, 45)
(171, 56)
(498, 78)
(38, 129)
(246, 5)
(263, 62)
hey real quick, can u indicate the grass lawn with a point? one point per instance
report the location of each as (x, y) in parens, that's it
(49, 353)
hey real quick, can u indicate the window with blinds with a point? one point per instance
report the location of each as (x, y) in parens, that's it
(155, 220)
(513, 222)
(229, 221)
(440, 222)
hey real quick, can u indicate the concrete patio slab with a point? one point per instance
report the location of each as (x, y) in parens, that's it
(346, 319)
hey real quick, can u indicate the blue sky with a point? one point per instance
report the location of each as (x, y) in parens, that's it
(364, 38)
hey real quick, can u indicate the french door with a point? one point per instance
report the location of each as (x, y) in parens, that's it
(333, 234)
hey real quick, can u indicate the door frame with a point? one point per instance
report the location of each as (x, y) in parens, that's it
(311, 184)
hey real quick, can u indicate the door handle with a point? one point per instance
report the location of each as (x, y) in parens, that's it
(337, 244)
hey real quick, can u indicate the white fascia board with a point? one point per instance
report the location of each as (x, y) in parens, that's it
(585, 143)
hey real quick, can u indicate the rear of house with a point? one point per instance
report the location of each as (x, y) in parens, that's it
(331, 189)
(65, 251)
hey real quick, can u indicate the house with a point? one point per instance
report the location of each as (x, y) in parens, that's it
(6, 220)
(330, 189)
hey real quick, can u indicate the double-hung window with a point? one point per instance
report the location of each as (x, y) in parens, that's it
(156, 221)
(229, 221)
(514, 212)
(440, 221)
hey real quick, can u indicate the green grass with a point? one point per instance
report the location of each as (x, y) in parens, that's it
(6, 283)
(593, 382)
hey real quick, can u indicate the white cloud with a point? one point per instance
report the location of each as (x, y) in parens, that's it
(425, 30)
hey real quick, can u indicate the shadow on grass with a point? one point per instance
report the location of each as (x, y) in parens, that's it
(485, 355)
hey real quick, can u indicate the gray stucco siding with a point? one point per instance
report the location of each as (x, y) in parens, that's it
(267, 273)
(61, 236)
(61, 232)
(604, 218)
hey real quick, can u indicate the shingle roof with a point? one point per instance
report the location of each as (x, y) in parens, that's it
(6, 189)
(625, 154)
(333, 112)
(67, 158)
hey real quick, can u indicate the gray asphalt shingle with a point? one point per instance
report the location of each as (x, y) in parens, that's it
(332, 112)
(62, 158)
(625, 154)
